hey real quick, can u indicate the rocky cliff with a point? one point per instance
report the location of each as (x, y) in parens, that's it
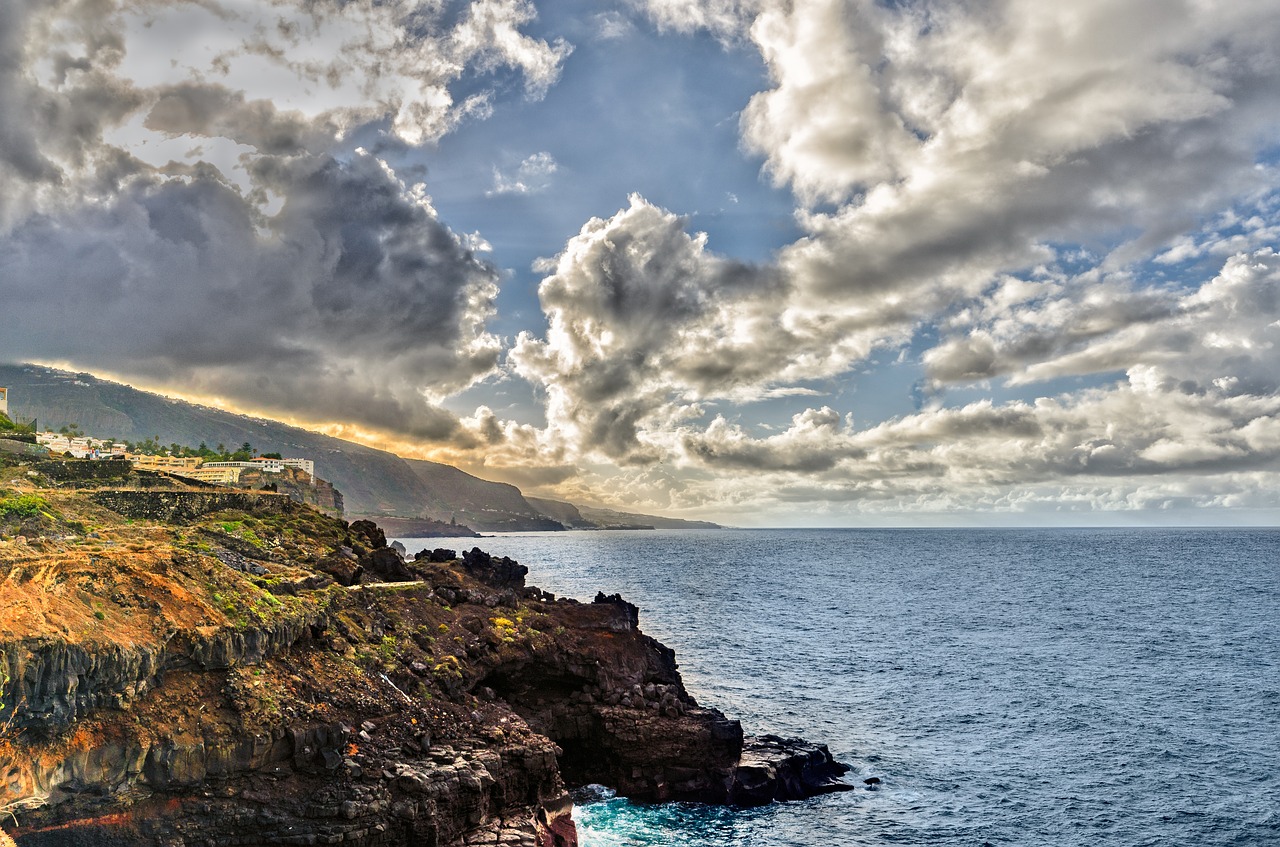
(225, 668)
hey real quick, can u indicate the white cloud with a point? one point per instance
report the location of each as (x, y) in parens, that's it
(725, 18)
(950, 163)
(529, 177)
(612, 25)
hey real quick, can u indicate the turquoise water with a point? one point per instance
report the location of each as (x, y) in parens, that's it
(1028, 687)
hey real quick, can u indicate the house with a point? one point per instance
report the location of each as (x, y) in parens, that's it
(164, 463)
(218, 476)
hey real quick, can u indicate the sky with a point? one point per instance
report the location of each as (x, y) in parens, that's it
(766, 262)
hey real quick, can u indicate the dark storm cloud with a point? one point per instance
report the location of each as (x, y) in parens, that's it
(255, 258)
(342, 303)
(211, 111)
(46, 130)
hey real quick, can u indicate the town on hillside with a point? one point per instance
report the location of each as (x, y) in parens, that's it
(239, 468)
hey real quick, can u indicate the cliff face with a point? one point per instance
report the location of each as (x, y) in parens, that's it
(477, 503)
(300, 486)
(180, 668)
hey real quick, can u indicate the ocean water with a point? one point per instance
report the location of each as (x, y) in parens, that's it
(1019, 687)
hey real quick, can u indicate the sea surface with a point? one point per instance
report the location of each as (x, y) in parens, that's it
(1023, 687)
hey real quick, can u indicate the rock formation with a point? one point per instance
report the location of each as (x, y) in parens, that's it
(182, 668)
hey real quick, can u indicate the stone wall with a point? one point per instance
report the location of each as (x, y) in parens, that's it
(22, 448)
(186, 506)
(83, 470)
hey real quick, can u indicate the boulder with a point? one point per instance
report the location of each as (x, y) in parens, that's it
(385, 565)
(344, 570)
(369, 534)
(774, 768)
(499, 572)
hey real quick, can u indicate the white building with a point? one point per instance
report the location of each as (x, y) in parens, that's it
(81, 446)
(4, 400)
(220, 476)
(164, 463)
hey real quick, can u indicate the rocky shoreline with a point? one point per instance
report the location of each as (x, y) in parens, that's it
(345, 695)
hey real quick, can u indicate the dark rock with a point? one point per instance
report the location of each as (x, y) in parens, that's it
(343, 569)
(632, 612)
(81, 470)
(187, 506)
(774, 768)
(385, 565)
(237, 562)
(500, 573)
(368, 533)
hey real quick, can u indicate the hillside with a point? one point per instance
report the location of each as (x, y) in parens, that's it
(192, 665)
(586, 517)
(372, 482)
(478, 503)
(605, 518)
(566, 513)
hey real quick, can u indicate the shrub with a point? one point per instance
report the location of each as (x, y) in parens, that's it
(23, 506)
(387, 650)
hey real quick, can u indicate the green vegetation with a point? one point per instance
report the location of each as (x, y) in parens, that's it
(23, 506)
(151, 446)
(7, 424)
(241, 530)
(448, 669)
(505, 630)
(4, 681)
(387, 650)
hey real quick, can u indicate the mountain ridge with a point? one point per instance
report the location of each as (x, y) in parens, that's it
(374, 483)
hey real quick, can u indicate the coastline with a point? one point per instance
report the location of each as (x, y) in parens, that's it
(345, 693)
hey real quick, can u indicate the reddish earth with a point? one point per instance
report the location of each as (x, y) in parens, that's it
(193, 668)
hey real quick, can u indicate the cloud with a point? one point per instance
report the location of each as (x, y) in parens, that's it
(1195, 410)
(1225, 330)
(353, 62)
(530, 177)
(195, 218)
(353, 302)
(612, 25)
(958, 147)
(644, 321)
(999, 176)
(724, 18)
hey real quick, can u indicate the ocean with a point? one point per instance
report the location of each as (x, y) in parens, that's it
(1008, 687)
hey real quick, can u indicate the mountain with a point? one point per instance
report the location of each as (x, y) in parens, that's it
(586, 517)
(372, 482)
(478, 503)
(565, 513)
